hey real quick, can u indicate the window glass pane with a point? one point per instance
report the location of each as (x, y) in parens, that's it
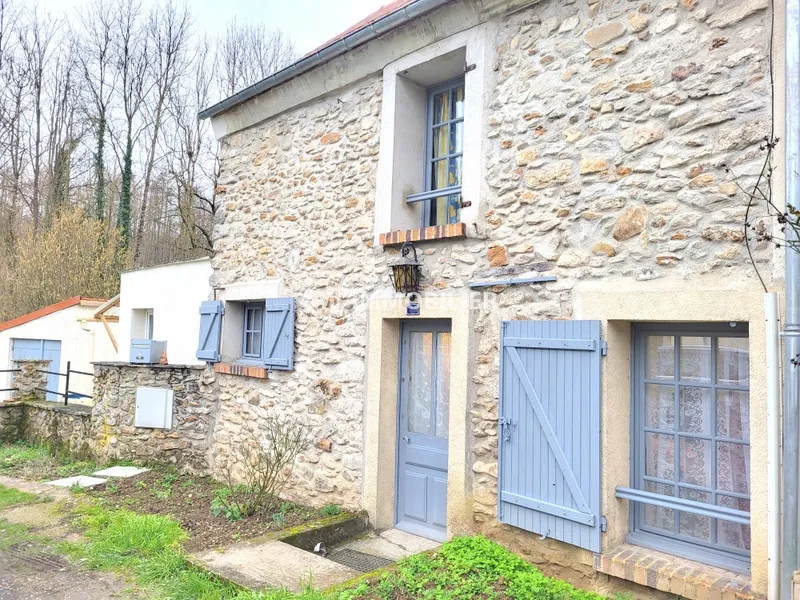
(441, 107)
(733, 361)
(248, 343)
(439, 174)
(695, 358)
(657, 516)
(457, 99)
(659, 455)
(420, 352)
(695, 525)
(696, 412)
(733, 534)
(695, 461)
(733, 467)
(456, 137)
(733, 414)
(454, 176)
(257, 343)
(439, 141)
(660, 357)
(258, 320)
(443, 384)
(660, 406)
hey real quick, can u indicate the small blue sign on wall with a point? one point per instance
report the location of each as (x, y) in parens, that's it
(412, 305)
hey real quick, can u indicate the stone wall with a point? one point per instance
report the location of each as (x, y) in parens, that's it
(63, 429)
(298, 194)
(11, 419)
(610, 126)
(30, 381)
(186, 444)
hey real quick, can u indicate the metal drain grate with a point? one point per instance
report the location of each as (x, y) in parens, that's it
(48, 562)
(358, 560)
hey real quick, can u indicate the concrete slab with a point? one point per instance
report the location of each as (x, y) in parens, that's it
(274, 565)
(392, 544)
(121, 472)
(83, 481)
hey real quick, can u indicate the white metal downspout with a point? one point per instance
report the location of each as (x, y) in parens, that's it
(790, 449)
(772, 318)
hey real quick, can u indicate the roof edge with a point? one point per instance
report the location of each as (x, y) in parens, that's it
(47, 310)
(361, 36)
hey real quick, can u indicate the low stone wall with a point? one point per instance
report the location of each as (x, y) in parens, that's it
(106, 430)
(11, 420)
(187, 444)
(63, 429)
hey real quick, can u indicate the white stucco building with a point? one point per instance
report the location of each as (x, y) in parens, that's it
(160, 303)
(68, 331)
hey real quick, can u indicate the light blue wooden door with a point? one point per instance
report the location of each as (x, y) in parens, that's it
(549, 434)
(41, 349)
(423, 428)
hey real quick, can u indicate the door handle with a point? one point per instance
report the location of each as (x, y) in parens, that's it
(407, 439)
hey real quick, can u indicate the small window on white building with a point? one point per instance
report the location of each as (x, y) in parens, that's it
(142, 323)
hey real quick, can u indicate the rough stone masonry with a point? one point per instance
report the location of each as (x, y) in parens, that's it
(610, 127)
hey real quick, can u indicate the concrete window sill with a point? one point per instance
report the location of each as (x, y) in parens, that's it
(424, 234)
(240, 369)
(673, 574)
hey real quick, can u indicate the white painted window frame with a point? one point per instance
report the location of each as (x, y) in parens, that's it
(395, 175)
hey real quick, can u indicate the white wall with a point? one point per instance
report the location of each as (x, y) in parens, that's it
(83, 341)
(174, 293)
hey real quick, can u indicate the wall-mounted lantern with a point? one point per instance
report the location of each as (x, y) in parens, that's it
(406, 270)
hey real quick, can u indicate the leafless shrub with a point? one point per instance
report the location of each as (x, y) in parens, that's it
(255, 482)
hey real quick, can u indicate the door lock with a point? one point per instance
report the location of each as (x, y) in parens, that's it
(406, 439)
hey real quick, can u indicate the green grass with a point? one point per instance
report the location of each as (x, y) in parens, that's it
(13, 534)
(39, 463)
(10, 496)
(148, 546)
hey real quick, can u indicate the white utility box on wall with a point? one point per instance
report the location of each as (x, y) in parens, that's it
(153, 408)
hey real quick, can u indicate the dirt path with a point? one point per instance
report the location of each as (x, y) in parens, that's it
(40, 577)
(32, 570)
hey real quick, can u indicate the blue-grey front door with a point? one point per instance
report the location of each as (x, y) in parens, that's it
(41, 349)
(423, 428)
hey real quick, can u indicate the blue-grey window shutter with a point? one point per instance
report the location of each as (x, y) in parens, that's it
(211, 312)
(549, 433)
(278, 335)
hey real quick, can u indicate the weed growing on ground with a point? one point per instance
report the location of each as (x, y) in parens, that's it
(330, 510)
(10, 496)
(15, 534)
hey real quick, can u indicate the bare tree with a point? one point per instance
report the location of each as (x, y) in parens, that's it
(131, 65)
(96, 56)
(247, 53)
(170, 28)
(36, 44)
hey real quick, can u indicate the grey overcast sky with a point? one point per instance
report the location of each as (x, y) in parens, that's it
(308, 22)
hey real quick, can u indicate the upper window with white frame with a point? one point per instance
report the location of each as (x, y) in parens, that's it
(430, 170)
(692, 441)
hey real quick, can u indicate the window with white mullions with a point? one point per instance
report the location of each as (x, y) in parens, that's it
(253, 327)
(692, 439)
(445, 148)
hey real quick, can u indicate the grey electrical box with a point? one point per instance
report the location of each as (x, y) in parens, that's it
(153, 408)
(147, 352)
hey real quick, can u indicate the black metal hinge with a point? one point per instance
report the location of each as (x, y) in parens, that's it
(603, 348)
(468, 68)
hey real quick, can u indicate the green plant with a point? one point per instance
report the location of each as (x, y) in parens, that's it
(112, 488)
(279, 519)
(10, 496)
(222, 505)
(263, 469)
(330, 510)
(140, 484)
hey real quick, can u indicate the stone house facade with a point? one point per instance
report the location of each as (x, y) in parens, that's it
(600, 148)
